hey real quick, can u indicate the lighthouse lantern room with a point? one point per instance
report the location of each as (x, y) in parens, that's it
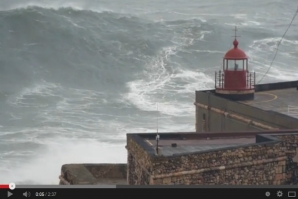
(235, 82)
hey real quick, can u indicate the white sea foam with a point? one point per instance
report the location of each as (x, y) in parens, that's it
(210, 51)
(78, 5)
(267, 48)
(240, 16)
(282, 73)
(44, 168)
(43, 89)
(160, 81)
(66, 134)
(270, 44)
(247, 23)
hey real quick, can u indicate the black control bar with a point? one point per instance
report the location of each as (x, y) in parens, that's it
(158, 193)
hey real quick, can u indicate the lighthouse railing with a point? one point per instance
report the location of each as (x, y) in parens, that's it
(251, 79)
(220, 80)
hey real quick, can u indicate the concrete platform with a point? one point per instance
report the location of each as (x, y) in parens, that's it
(88, 174)
(284, 101)
(192, 142)
(198, 145)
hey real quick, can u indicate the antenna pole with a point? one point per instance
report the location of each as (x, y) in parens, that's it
(235, 35)
(157, 135)
(157, 119)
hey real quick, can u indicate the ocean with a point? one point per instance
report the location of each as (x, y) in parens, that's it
(76, 76)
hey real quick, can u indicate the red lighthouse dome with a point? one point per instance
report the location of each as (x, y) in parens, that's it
(235, 53)
(235, 82)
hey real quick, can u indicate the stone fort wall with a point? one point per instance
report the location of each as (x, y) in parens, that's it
(86, 174)
(139, 164)
(290, 145)
(264, 163)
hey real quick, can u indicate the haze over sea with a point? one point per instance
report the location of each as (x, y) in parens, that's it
(76, 76)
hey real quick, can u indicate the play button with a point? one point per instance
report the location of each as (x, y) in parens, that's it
(9, 194)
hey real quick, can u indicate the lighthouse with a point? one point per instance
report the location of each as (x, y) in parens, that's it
(234, 81)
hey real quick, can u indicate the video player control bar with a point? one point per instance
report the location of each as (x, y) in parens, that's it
(65, 191)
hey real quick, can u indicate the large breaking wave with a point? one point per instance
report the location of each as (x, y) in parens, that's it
(75, 81)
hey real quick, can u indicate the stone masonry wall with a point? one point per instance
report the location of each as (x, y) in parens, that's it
(290, 143)
(262, 174)
(257, 164)
(138, 164)
(113, 171)
(77, 174)
(271, 163)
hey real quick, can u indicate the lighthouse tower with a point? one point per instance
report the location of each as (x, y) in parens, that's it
(234, 81)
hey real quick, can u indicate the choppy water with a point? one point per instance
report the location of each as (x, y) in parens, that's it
(76, 76)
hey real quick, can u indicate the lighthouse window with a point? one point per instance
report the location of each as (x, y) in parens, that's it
(234, 65)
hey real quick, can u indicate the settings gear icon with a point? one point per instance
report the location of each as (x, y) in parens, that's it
(279, 194)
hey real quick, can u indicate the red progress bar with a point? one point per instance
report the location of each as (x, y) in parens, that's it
(4, 186)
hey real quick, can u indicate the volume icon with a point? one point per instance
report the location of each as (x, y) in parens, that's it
(27, 194)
